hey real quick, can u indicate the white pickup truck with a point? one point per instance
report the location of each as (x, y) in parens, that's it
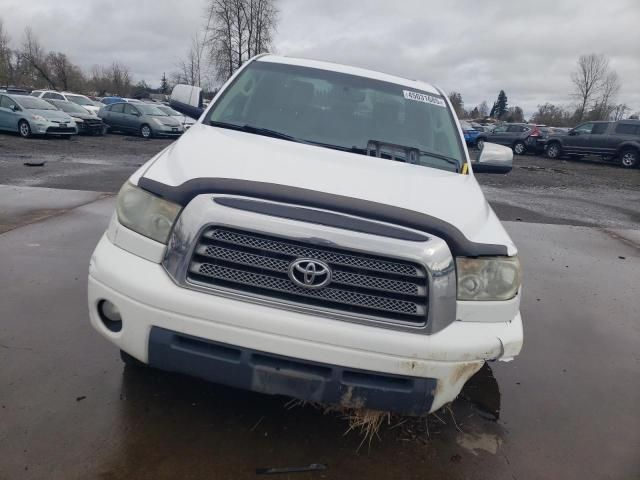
(319, 234)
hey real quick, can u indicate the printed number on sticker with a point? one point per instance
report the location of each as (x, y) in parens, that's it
(423, 97)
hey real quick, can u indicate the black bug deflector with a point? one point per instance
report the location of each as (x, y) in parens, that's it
(278, 375)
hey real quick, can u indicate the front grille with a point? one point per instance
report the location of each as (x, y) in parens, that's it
(256, 264)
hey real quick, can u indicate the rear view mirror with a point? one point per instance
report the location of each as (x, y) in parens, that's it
(494, 159)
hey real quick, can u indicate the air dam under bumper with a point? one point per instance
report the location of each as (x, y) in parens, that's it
(148, 299)
(278, 375)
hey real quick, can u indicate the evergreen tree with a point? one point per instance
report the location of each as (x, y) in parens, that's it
(501, 105)
(164, 85)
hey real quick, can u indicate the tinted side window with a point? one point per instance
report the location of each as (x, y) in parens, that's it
(627, 129)
(129, 110)
(584, 128)
(499, 129)
(6, 102)
(599, 128)
(514, 128)
(117, 108)
(524, 129)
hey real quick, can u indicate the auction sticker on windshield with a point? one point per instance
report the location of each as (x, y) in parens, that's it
(423, 97)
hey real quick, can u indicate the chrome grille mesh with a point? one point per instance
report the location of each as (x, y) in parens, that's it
(257, 264)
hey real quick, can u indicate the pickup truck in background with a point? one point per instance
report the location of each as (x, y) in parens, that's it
(618, 141)
(318, 233)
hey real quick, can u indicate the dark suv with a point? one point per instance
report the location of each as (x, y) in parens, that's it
(521, 137)
(611, 140)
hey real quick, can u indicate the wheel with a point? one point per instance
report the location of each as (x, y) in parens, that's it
(145, 131)
(480, 143)
(553, 150)
(629, 158)
(130, 361)
(519, 148)
(24, 129)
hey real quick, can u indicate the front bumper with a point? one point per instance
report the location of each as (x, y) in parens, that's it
(430, 368)
(168, 131)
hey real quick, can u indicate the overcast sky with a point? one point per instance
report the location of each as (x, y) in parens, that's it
(526, 48)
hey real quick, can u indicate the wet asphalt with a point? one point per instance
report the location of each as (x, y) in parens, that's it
(566, 408)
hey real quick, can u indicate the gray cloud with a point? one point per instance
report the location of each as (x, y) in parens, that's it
(476, 48)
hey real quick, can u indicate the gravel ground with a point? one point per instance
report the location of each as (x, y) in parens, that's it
(588, 193)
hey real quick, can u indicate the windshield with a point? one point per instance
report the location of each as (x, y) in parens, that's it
(33, 103)
(152, 110)
(169, 111)
(80, 100)
(68, 106)
(347, 112)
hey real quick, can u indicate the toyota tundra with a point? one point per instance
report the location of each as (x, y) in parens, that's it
(319, 234)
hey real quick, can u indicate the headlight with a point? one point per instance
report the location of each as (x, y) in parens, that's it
(77, 120)
(158, 121)
(488, 278)
(39, 118)
(145, 213)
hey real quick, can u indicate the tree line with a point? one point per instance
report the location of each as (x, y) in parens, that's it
(595, 90)
(31, 65)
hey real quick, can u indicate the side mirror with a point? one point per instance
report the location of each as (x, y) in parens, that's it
(494, 159)
(13, 108)
(572, 133)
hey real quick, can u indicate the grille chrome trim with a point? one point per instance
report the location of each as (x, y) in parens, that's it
(433, 254)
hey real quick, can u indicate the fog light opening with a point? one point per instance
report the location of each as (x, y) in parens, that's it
(110, 315)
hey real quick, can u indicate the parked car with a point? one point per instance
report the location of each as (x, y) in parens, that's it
(33, 116)
(520, 137)
(184, 120)
(110, 100)
(86, 122)
(610, 140)
(320, 234)
(14, 90)
(142, 118)
(82, 100)
(470, 134)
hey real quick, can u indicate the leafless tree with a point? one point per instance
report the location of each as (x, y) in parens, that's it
(67, 75)
(604, 104)
(587, 79)
(5, 57)
(619, 111)
(483, 109)
(190, 69)
(239, 30)
(34, 55)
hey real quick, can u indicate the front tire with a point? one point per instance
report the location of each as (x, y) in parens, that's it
(629, 158)
(24, 129)
(145, 131)
(519, 148)
(480, 143)
(553, 151)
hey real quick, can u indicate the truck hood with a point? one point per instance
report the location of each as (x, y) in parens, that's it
(210, 152)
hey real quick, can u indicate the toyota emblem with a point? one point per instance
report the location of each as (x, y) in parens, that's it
(309, 273)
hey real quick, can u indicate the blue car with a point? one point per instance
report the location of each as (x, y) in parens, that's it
(110, 100)
(33, 116)
(471, 135)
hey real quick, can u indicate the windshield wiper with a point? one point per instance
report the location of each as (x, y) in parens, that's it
(256, 130)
